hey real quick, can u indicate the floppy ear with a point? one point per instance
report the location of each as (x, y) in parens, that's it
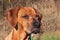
(12, 15)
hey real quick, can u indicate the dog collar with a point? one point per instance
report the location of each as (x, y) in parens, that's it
(30, 36)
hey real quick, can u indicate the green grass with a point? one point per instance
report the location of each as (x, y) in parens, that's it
(50, 36)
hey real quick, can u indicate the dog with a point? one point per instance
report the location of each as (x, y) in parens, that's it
(24, 21)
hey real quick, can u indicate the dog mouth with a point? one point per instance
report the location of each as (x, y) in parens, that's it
(35, 31)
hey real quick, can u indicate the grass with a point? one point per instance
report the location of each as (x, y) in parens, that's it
(48, 36)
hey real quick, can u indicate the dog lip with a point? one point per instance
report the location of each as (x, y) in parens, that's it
(36, 31)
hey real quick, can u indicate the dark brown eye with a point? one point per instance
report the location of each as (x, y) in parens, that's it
(25, 16)
(37, 15)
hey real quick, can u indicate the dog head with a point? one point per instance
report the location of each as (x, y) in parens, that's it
(25, 18)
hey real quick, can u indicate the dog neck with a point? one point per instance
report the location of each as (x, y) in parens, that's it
(20, 35)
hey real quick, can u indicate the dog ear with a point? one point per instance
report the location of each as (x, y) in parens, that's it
(12, 15)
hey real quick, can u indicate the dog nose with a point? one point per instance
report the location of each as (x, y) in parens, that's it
(36, 24)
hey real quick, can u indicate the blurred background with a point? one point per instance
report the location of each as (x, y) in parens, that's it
(50, 10)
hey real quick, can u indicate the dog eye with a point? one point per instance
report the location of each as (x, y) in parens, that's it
(37, 15)
(25, 16)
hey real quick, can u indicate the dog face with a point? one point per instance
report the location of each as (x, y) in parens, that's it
(27, 19)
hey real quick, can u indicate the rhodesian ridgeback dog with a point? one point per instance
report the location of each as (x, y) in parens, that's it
(24, 21)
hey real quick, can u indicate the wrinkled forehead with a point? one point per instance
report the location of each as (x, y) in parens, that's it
(28, 11)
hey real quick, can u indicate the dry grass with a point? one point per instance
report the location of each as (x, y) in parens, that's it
(4, 28)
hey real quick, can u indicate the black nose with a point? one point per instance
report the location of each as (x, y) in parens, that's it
(36, 24)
